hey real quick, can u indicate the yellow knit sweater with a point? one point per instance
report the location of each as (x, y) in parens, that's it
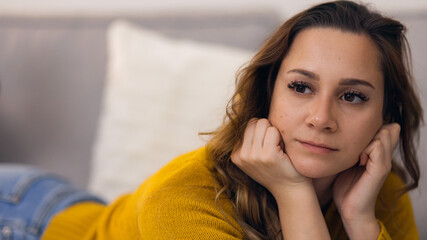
(178, 202)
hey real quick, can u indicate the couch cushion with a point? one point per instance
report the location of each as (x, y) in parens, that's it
(160, 93)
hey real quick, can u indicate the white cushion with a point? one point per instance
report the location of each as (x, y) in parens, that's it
(160, 93)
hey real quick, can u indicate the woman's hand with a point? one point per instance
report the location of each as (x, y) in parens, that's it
(262, 157)
(356, 189)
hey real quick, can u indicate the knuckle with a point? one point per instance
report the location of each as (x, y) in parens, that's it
(251, 123)
(243, 156)
(384, 133)
(263, 122)
(397, 127)
(235, 159)
(377, 144)
(387, 133)
(253, 119)
(272, 132)
(272, 129)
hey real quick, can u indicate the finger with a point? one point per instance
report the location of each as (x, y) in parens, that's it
(394, 130)
(235, 156)
(374, 151)
(248, 137)
(389, 137)
(259, 134)
(385, 141)
(272, 138)
(363, 159)
(379, 161)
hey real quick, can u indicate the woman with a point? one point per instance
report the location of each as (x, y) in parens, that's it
(305, 151)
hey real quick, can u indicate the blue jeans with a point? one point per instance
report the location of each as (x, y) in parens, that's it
(29, 198)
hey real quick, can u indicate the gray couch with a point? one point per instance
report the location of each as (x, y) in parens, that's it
(52, 72)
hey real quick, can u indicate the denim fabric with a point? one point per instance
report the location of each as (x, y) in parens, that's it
(30, 197)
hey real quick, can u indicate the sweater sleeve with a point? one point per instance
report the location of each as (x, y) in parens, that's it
(383, 232)
(179, 203)
(396, 217)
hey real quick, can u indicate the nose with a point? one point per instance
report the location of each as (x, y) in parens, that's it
(321, 115)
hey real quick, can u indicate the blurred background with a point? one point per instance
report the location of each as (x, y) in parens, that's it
(282, 7)
(54, 59)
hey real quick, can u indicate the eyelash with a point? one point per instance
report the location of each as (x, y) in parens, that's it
(298, 84)
(294, 85)
(357, 94)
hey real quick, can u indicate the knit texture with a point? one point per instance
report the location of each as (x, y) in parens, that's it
(178, 202)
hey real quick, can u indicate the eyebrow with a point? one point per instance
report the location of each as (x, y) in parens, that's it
(344, 81)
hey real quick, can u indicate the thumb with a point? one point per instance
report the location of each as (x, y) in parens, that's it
(394, 130)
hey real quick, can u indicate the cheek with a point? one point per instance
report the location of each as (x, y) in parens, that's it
(362, 133)
(285, 118)
(280, 120)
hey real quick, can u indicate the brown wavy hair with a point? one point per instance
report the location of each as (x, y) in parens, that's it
(255, 207)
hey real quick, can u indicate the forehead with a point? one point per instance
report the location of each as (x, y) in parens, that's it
(323, 50)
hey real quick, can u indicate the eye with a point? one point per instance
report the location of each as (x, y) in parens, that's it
(354, 97)
(300, 87)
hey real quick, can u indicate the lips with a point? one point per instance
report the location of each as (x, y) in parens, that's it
(317, 147)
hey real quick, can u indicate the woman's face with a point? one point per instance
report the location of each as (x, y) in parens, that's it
(327, 100)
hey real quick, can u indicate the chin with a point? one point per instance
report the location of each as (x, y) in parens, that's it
(313, 173)
(315, 168)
